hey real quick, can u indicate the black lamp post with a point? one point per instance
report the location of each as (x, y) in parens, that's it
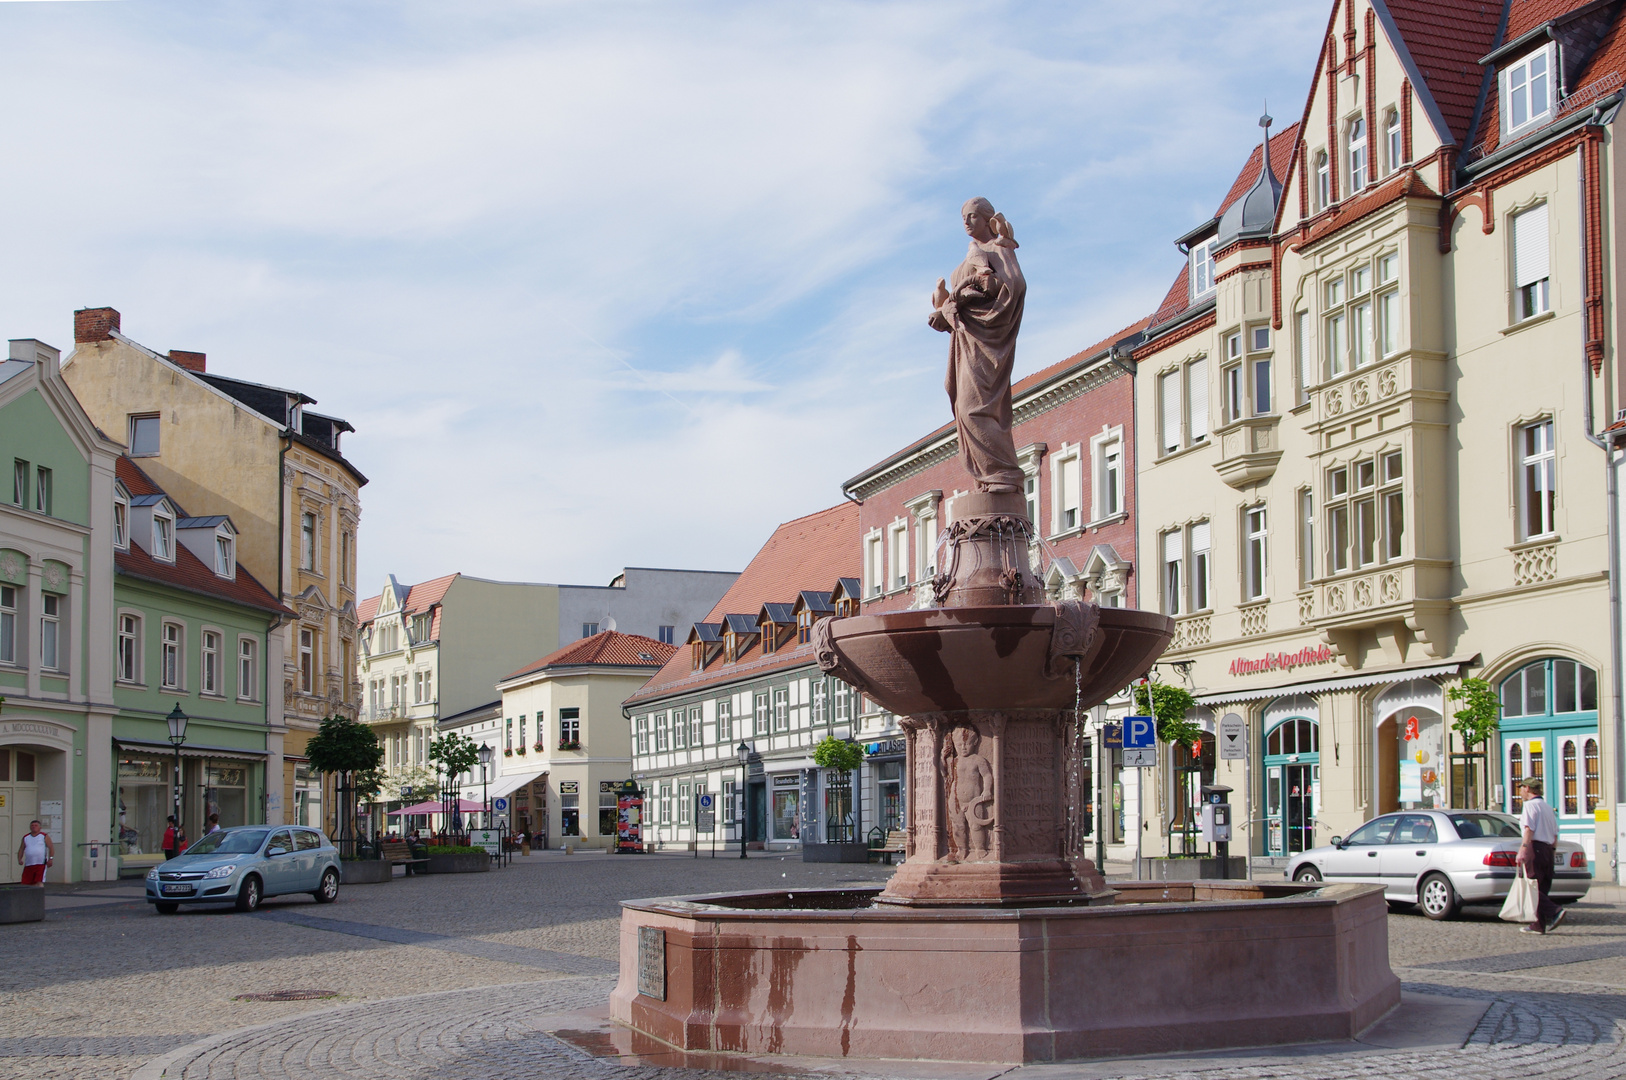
(744, 752)
(177, 735)
(485, 779)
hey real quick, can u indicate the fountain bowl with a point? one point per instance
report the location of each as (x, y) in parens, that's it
(999, 657)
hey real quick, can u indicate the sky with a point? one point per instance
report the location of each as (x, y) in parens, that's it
(607, 284)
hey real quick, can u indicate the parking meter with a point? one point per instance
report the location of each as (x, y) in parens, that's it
(1214, 823)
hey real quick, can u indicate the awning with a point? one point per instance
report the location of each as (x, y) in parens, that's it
(193, 750)
(511, 782)
(1354, 679)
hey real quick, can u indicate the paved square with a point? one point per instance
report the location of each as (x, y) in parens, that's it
(465, 976)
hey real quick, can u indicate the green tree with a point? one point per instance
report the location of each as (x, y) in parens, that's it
(1169, 706)
(351, 752)
(1476, 721)
(834, 753)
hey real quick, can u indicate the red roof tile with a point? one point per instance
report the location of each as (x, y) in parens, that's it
(1446, 38)
(189, 573)
(134, 480)
(808, 553)
(608, 648)
(420, 598)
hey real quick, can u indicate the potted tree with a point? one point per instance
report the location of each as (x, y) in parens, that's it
(455, 754)
(1171, 707)
(1476, 722)
(843, 841)
(349, 751)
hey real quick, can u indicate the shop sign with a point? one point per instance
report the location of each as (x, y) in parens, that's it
(1282, 661)
(788, 780)
(569, 787)
(887, 746)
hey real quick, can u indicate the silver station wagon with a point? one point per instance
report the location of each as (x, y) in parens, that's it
(244, 865)
(1439, 860)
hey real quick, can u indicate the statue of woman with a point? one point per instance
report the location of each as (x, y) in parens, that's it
(980, 306)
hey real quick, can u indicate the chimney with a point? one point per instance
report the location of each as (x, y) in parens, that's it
(191, 361)
(94, 324)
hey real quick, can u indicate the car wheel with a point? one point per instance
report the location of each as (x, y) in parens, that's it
(167, 909)
(248, 894)
(1307, 874)
(329, 890)
(1436, 897)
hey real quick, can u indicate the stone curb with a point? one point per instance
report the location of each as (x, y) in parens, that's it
(158, 1068)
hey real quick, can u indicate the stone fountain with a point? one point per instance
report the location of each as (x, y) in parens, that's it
(996, 940)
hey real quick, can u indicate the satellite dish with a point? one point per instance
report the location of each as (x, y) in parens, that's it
(606, 623)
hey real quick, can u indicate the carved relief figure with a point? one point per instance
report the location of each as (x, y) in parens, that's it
(980, 306)
(970, 789)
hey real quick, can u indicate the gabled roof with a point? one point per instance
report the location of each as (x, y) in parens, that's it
(151, 500)
(608, 648)
(778, 614)
(819, 603)
(135, 481)
(1442, 41)
(708, 632)
(212, 522)
(847, 588)
(419, 599)
(188, 573)
(740, 624)
(805, 553)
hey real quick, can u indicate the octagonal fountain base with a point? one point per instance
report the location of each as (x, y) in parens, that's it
(1166, 968)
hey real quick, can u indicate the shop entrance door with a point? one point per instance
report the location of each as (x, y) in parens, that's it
(1292, 784)
(756, 814)
(19, 804)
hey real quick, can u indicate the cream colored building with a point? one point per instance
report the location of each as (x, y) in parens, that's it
(565, 747)
(1368, 466)
(258, 455)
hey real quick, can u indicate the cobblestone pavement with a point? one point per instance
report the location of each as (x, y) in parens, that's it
(466, 976)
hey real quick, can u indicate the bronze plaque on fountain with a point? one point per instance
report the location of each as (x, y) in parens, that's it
(652, 962)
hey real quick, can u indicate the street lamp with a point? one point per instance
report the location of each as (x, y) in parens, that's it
(744, 753)
(485, 779)
(177, 735)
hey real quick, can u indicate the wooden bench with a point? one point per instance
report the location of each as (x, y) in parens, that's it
(399, 853)
(893, 846)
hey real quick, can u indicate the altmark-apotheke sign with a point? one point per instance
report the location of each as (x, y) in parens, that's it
(1282, 661)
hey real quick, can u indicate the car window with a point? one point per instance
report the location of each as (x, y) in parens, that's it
(1473, 826)
(307, 840)
(281, 839)
(1415, 829)
(1373, 832)
(229, 842)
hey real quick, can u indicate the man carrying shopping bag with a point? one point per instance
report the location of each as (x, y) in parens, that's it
(1540, 826)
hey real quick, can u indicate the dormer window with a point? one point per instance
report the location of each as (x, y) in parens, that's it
(1358, 161)
(769, 638)
(163, 535)
(804, 627)
(731, 646)
(1202, 268)
(225, 555)
(697, 655)
(121, 523)
(1527, 91)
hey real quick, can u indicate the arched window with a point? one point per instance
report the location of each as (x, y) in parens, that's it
(1358, 163)
(1391, 139)
(1572, 801)
(1550, 688)
(1593, 788)
(1298, 736)
(1323, 182)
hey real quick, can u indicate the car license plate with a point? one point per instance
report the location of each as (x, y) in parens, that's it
(177, 890)
(1558, 860)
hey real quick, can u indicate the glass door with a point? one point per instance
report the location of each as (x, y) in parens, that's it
(1292, 785)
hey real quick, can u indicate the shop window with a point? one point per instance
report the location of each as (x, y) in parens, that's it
(1298, 736)
(570, 808)
(144, 785)
(226, 793)
(608, 811)
(1574, 689)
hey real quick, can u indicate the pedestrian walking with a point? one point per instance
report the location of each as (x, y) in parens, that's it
(35, 854)
(171, 836)
(1540, 827)
(214, 824)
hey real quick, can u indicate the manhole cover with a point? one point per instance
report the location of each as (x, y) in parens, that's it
(287, 995)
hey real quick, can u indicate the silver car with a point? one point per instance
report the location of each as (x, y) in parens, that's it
(244, 865)
(1439, 860)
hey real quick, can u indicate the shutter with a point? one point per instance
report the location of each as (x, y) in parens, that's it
(1199, 536)
(1171, 547)
(1171, 411)
(1197, 374)
(1530, 246)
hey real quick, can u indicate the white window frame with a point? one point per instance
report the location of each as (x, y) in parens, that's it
(127, 666)
(1177, 391)
(1307, 538)
(307, 663)
(760, 714)
(642, 736)
(1202, 268)
(1323, 180)
(1538, 463)
(1066, 489)
(781, 709)
(121, 523)
(9, 622)
(225, 554)
(725, 720)
(1537, 68)
(663, 734)
(874, 563)
(898, 554)
(1107, 474)
(1357, 153)
(308, 530)
(209, 671)
(1394, 146)
(163, 535)
(51, 640)
(1171, 559)
(1303, 352)
(697, 727)
(172, 655)
(135, 422)
(1261, 373)
(1531, 261)
(1255, 553)
(248, 668)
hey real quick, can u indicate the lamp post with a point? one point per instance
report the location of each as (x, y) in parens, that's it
(485, 779)
(744, 753)
(177, 735)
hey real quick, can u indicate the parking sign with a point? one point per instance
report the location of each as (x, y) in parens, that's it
(1140, 742)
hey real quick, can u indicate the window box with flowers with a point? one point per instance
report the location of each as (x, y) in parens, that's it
(522, 751)
(508, 752)
(569, 744)
(539, 747)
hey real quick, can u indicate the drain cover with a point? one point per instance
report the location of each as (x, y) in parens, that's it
(287, 995)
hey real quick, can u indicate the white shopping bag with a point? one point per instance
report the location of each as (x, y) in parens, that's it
(1522, 900)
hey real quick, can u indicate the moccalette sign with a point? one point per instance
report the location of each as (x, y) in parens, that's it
(1282, 661)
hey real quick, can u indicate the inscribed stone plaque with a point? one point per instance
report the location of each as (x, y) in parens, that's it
(652, 962)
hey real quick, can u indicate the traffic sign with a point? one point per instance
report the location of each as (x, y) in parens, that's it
(706, 817)
(1140, 759)
(706, 799)
(1233, 738)
(1140, 733)
(499, 805)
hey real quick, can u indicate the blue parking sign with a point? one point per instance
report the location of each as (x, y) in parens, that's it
(1140, 733)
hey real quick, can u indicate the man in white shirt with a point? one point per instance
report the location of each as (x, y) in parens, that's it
(35, 854)
(1540, 826)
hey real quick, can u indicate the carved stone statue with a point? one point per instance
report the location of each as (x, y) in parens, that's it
(970, 790)
(980, 306)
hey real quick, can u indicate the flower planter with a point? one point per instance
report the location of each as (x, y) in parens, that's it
(366, 871)
(476, 863)
(22, 903)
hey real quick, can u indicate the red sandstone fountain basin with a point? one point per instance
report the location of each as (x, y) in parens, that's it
(952, 659)
(1168, 968)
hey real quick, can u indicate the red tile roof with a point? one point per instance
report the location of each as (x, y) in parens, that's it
(1446, 38)
(609, 648)
(808, 553)
(189, 573)
(135, 481)
(420, 598)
